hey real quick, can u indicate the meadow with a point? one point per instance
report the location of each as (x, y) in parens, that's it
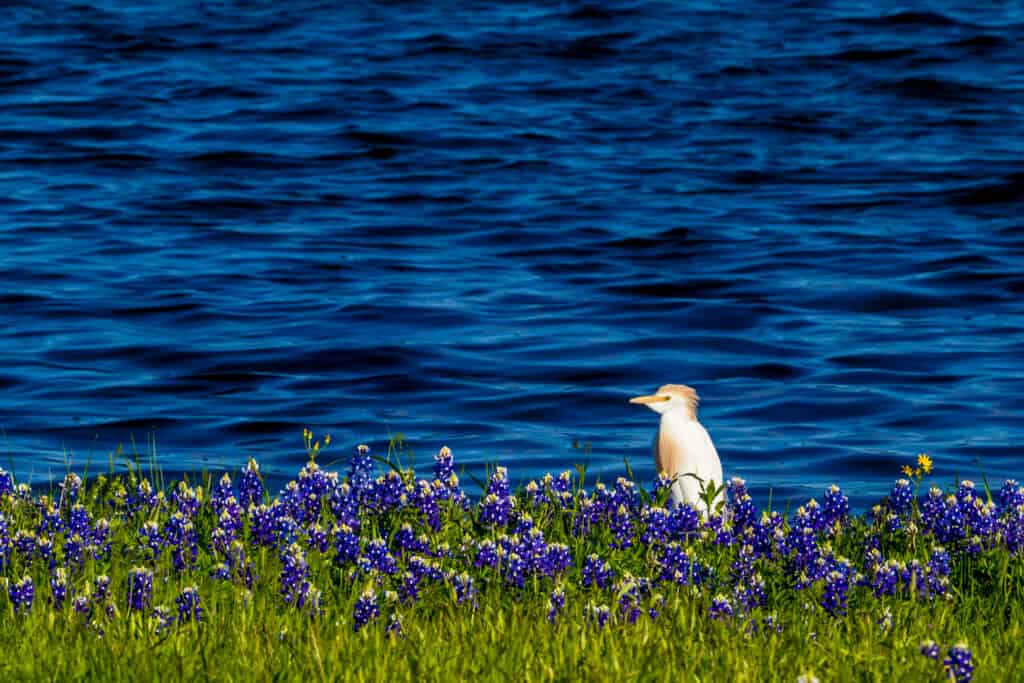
(373, 573)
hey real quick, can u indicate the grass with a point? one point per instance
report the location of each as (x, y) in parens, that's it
(500, 631)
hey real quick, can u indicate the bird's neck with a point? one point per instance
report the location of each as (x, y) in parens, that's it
(677, 417)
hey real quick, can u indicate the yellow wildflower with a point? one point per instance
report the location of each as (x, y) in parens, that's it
(907, 470)
(924, 461)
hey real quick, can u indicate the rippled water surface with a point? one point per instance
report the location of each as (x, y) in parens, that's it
(221, 222)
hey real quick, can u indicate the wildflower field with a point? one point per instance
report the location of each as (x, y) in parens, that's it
(371, 573)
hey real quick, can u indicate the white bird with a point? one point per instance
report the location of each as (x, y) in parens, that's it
(683, 447)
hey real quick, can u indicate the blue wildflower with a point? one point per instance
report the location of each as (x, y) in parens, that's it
(901, 497)
(930, 649)
(366, 609)
(359, 469)
(597, 572)
(836, 506)
(250, 485)
(294, 575)
(188, 605)
(958, 663)
(346, 545)
(837, 585)
(599, 614)
(721, 608)
(58, 587)
(22, 594)
(1010, 495)
(556, 603)
(140, 588)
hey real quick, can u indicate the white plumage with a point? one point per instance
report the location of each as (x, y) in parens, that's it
(683, 447)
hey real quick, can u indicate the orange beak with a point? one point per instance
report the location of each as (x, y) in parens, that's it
(650, 399)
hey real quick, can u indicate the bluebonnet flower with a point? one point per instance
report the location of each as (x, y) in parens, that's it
(140, 588)
(556, 603)
(426, 502)
(629, 603)
(294, 575)
(885, 621)
(958, 663)
(345, 505)
(486, 554)
(144, 498)
(684, 521)
(886, 578)
(5, 543)
(465, 590)
(721, 608)
(535, 495)
(318, 538)
(557, 560)
(163, 618)
(188, 605)
(6, 482)
(25, 543)
(250, 485)
(836, 506)
(366, 609)
(82, 606)
(662, 485)
(22, 594)
(69, 489)
(587, 515)
(78, 520)
(560, 484)
(657, 528)
(44, 550)
(100, 541)
(58, 587)
(52, 521)
(394, 627)
(497, 503)
(810, 516)
(597, 572)
(950, 527)
(677, 567)
(346, 545)
(222, 571)
(515, 570)
(359, 469)
(444, 465)
(150, 533)
(751, 593)
(939, 562)
(1010, 495)
(377, 557)
(599, 614)
(263, 525)
(101, 584)
(221, 492)
(930, 649)
(740, 506)
(625, 494)
(901, 497)
(932, 508)
(495, 510)
(837, 585)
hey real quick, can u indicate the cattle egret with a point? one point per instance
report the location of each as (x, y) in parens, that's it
(683, 447)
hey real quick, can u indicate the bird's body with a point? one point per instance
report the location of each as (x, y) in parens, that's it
(683, 450)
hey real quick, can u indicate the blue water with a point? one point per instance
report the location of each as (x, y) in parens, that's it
(221, 222)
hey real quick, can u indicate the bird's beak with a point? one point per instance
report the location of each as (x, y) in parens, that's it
(650, 399)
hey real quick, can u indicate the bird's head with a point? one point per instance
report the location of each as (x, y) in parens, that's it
(671, 398)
